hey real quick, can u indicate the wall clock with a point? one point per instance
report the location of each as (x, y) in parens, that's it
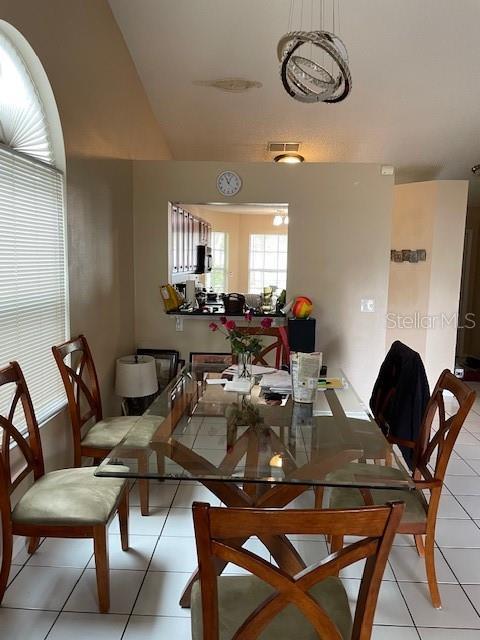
(229, 183)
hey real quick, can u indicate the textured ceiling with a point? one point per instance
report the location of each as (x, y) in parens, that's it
(416, 85)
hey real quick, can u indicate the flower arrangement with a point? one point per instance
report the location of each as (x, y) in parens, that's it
(241, 342)
(244, 345)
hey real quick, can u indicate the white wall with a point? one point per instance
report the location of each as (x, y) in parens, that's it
(338, 253)
(431, 216)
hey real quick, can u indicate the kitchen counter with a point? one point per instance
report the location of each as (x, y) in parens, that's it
(208, 312)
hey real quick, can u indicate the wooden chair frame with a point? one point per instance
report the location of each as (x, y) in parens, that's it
(31, 449)
(75, 386)
(219, 533)
(443, 440)
(280, 345)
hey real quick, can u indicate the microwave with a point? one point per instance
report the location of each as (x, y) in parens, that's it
(204, 259)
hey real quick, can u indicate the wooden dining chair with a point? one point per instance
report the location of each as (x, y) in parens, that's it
(93, 435)
(433, 450)
(280, 345)
(272, 604)
(69, 503)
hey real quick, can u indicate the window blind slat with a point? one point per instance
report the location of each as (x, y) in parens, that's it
(33, 288)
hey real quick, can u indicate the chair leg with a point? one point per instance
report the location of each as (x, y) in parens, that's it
(419, 543)
(33, 544)
(143, 485)
(7, 547)
(143, 488)
(123, 519)
(431, 573)
(160, 465)
(318, 497)
(336, 544)
(100, 544)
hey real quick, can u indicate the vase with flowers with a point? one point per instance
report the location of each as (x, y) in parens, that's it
(245, 346)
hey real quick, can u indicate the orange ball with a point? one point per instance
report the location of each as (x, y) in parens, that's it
(302, 307)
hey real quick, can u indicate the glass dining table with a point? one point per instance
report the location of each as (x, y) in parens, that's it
(256, 450)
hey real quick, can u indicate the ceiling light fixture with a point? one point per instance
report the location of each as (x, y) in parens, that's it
(314, 64)
(289, 158)
(279, 218)
(230, 85)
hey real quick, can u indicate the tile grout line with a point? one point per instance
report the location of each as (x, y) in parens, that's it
(129, 616)
(477, 611)
(67, 598)
(440, 548)
(148, 565)
(85, 569)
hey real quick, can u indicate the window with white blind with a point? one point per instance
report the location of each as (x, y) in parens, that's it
(267, 262)
(33, 283)
(217, 278)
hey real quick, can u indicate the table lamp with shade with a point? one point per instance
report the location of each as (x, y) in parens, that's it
(135, 382)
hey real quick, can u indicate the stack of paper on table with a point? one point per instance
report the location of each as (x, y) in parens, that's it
(241, 385)
(277, 382)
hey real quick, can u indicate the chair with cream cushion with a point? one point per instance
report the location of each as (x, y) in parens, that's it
(69, 503)
(433, 449)
(85, 406)
(270, 603)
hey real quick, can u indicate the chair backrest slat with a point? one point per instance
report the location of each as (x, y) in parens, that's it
(443, 439)
(81, 383)
(280, 345)
(30, 446)
(217, 531)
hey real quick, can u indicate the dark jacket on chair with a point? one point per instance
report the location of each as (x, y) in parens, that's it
(400, 396)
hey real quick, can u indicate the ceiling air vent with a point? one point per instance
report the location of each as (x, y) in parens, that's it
(283, 147)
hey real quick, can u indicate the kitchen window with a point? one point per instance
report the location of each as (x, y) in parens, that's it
(217, 279)
(33, 281)
(267, 262)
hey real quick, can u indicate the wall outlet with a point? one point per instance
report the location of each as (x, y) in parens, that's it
(178, 323)
(367, 305)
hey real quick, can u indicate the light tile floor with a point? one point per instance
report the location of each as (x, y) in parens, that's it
(52, 594)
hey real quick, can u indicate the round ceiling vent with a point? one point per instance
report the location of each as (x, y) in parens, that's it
(231, 85)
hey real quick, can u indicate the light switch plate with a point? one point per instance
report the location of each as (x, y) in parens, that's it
(178, 323)
(367, 305)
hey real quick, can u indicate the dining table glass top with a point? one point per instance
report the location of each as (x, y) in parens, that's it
(196, 430)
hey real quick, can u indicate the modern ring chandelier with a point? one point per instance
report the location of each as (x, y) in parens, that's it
(314, 64)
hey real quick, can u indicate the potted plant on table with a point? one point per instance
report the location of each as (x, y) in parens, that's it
(243, 345)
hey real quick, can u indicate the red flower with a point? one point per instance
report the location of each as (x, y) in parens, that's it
(266, 323)
(230, 325)
(213, 326)
(248, 316)
(223, 320)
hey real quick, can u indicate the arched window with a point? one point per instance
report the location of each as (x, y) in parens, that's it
(33, 282)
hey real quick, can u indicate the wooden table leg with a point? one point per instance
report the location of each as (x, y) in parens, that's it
(282, 550)
(276, 496)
